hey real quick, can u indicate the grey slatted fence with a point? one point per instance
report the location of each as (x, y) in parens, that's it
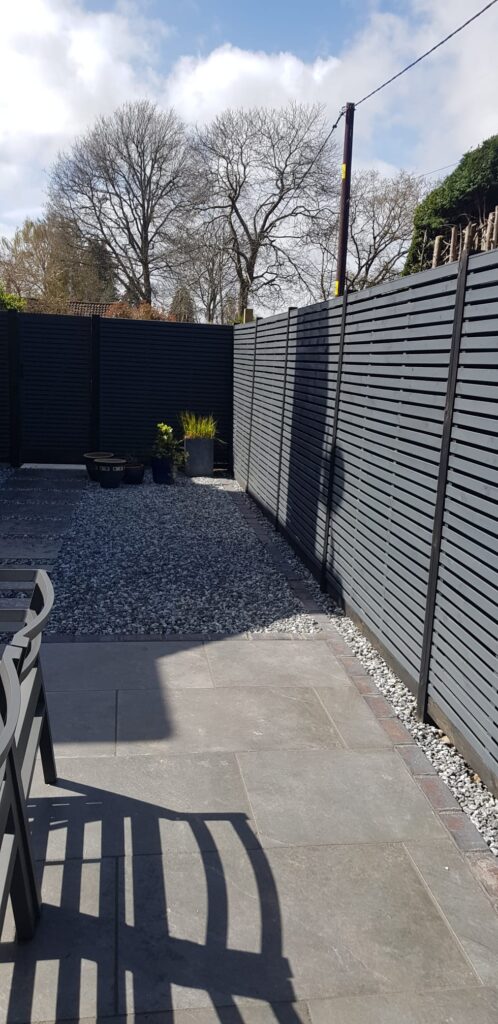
(348, 454)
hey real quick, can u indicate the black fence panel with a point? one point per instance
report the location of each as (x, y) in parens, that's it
(339, 437)
(55, 387)
(84, 383)
(150, 371)
(4, 391)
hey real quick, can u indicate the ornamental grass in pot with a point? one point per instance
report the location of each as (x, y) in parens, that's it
(166, 455)
(199, 433)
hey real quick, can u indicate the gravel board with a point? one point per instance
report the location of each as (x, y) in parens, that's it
(154, 560)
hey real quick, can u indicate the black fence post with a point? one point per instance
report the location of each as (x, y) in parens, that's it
(252, 403)
(15, 397)
(290, 311)
(95, 383)
(437, 530)
(330, 489)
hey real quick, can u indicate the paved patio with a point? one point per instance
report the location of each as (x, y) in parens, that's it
(241, 832)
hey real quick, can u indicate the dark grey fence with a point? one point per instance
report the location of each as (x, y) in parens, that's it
(367, 430)
(69, 384)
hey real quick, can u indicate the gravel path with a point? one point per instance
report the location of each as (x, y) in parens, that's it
(154, 560)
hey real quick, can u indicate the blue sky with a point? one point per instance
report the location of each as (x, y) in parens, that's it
(72, 60)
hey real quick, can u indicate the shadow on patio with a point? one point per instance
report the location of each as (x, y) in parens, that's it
(115, 923)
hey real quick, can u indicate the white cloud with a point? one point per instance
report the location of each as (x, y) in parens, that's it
(61, 65)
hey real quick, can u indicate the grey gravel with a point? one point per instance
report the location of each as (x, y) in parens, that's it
(159, 559)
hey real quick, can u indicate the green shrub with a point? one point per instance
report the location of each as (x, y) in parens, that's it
(165, 446)
(198, 426)
(9, 301)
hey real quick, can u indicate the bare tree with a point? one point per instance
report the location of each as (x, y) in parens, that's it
(128, 182)
(380, 231)
(381, 225)
(267, 173)
(207, 267)
(48, 259)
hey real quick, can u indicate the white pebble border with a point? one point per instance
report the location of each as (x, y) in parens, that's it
(471, 793)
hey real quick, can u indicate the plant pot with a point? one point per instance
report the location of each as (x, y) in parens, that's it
(133, 474)
(163, 470)
(110, 472)
(198, 456)
(91, 459)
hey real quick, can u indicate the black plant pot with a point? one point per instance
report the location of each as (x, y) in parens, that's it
(111, 472)
(133, 474)
(163, 470)
(199, 456)
(91, 459)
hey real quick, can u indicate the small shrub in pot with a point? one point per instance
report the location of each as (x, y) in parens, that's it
(166, 455)
(199, 434)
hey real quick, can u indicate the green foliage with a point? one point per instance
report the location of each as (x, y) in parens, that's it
(9, 301)
(468, 194)
(198, 426)
(165, 446)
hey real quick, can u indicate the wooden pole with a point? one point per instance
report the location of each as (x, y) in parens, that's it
(495, 229)
(453, 243)
(342, 245)
(469, 237)
(489, 231)
(437, 250)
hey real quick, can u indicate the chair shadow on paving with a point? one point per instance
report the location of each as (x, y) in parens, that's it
(126, 917)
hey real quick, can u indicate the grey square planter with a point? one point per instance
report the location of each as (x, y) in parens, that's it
(199, 452)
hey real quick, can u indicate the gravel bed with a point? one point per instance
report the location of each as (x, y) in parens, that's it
(154, 560)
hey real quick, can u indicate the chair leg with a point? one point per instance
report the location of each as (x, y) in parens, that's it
(24, 891)
(46, 743)
(47, 751)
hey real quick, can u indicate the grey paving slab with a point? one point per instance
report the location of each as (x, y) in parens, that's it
(457, 1006)
(35, 526)
(21, 510)
(245, 718)
(327, 796)
(352, 717)
(140, 805)
(241, 1012)
(67, 970)
(30, 499)
(20, 547)
(468, 910)
(126, 665)
(233, 663)
(293, 924)
(83, 723)
(30, 482)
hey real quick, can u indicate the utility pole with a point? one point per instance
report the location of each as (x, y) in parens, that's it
(342, 248)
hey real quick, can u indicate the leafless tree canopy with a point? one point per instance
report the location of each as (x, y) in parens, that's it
(48, 259)
(380, 231)
(128, 182)
(268, 173)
